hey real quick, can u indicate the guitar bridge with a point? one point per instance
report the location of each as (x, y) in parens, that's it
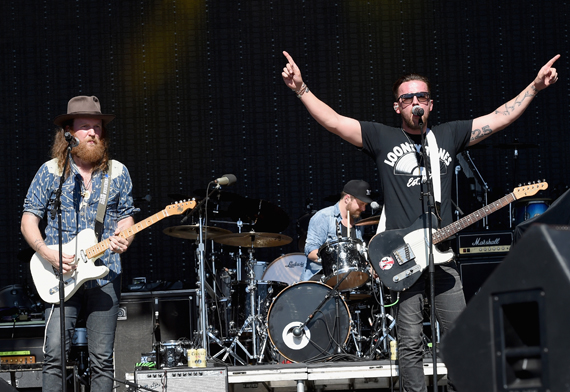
(55, 289)
(404, 254)
(404, 274)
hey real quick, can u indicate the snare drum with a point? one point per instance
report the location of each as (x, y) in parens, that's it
(341, 257)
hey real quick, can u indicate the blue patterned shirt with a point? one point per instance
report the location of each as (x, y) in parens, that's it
(78, 214)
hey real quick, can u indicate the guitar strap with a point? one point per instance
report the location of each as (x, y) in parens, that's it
(435, 175)
(103, 198)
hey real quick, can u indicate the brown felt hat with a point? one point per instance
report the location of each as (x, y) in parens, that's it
(85, 107)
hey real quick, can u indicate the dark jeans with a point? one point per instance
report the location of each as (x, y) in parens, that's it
(101, 307)
(449, 303)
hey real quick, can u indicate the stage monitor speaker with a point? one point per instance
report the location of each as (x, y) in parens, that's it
(184, 379)
(474, 271)
(513, 335)
(149, 317)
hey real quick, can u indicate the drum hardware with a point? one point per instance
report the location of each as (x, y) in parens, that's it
(263, 215)
(191, 232)
(382, 325)
(254, 322)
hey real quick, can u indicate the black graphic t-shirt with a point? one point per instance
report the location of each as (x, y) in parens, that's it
(400, 171)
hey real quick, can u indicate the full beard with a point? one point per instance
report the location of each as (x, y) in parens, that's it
(92, 154)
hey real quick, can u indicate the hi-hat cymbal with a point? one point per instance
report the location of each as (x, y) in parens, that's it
(191, 232)
(371, 220)
(261, 214)
(254, 240)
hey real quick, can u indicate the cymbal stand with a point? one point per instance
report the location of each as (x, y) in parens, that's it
(380, 325)
(253, 320)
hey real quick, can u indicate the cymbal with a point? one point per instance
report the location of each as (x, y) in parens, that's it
(191, 232)
(253, 239)
(516, 146)
(371, 220)
(263, 215)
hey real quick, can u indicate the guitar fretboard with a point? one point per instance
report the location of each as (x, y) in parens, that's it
(98, 249)
(468, 220)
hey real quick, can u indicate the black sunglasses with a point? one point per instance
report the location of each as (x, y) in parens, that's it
(407, 99)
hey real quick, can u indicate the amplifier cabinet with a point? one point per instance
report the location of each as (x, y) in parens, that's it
(183, 379)
(475, 271)
(149, 317)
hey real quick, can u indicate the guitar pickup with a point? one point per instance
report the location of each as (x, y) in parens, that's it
(404, 254)
(406, 273)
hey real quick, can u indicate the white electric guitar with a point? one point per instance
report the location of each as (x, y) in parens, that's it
(87, 251)
(399, 256)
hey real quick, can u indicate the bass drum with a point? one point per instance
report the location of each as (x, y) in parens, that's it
(321, 335)
(287, 268)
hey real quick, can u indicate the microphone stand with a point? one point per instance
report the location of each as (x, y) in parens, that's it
(201, 270)
(431, 208)
(56, 209)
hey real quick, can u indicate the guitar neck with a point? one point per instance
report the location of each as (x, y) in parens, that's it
(449, 230)
(98, 249)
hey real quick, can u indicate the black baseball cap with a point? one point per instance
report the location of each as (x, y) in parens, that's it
(359, 189)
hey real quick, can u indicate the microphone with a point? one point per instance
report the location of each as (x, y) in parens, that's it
(226, 179)
(417, 111)
(374, 205)
(72, 140)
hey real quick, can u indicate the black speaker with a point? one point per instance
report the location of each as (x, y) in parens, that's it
(513, 335)
(6, 387)
(474, 272)
(146, 318)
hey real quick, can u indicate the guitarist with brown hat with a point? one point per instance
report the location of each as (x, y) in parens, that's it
(87, 174)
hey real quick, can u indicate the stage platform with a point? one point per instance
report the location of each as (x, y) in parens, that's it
(325, 376)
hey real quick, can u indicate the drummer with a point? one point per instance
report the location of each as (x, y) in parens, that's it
(336, 221)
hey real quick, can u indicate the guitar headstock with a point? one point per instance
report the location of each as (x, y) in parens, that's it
(180, 207)
(529, 189)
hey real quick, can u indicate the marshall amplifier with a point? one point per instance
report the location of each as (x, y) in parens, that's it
(485, 243)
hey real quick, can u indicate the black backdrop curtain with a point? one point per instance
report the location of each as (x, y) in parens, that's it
(197, 91)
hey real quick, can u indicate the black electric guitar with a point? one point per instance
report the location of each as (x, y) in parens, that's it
(400, 256)
(86, 250)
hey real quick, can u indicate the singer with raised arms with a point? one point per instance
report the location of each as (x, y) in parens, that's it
(396, 151)
(83, 127)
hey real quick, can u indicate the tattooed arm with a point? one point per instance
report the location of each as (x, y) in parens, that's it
(506, 114)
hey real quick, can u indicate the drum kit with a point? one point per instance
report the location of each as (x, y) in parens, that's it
(272, 316)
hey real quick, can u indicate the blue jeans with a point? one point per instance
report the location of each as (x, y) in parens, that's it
(101, 308)
(449, 303)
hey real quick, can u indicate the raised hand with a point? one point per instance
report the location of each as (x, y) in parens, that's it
(291, 74)
(547, 75)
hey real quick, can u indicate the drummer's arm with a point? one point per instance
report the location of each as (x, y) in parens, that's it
(314, 255)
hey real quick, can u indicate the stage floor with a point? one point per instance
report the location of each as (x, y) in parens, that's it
(380, 375)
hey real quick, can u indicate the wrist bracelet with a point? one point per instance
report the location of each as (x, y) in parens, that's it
(304, 89)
